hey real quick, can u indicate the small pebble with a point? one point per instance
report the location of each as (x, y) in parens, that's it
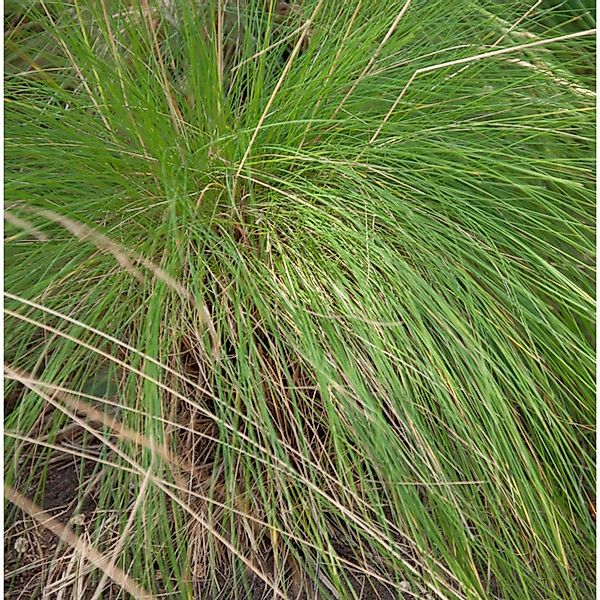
(21, 545)
(78, 519)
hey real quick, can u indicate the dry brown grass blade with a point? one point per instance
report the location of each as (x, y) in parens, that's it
(77, 69)
(94, 415)
(45, 519)
(68, 451)
(25, 226)
(471, 59)
(125, 258)
(125, 533)
(176, 116)
(332, 68)
(373, 58)
(504, 34)
(577, 89)
(304, 29)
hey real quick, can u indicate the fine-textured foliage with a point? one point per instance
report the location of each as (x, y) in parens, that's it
(316, 292)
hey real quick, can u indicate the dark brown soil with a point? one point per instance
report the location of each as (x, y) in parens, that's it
(29, 549)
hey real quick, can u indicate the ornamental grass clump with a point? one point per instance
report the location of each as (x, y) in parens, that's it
(299, 299)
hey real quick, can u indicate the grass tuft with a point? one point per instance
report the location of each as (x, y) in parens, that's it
(301, 297)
